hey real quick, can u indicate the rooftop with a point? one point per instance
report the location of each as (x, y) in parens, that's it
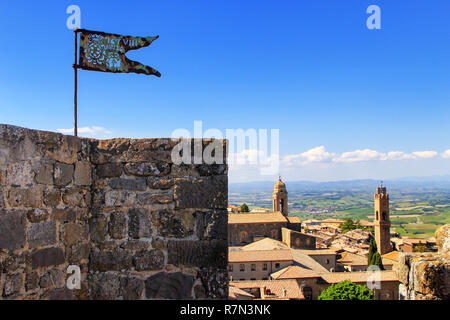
(358, 277)
(294, 272)
(276, 287)
(260, 255)
(245, 218)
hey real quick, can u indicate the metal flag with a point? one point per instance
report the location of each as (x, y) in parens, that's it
(105, 52)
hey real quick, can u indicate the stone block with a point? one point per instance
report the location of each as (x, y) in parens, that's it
(160, 183)
(149, 260)
(208, 193)
(13, 284)
(47, 257)
(135, 245)
(76, 197)
(44, 174)
(61, 294)
(164, 285)
(146, 169)
(63, 174)
(2, 177)
(52, 198)
(148, 198)
(115, 260)
(137, 184)
(173, 225)
(118, 225)
(73, 233)
(119, 198)
(64, 215)
(32, 281)
(98, 228)
(19, 173)
(12, 230)
(204, 253)
(83, 176)
(30, 197)
(215, 282)
(104, 286)
(109, 170)
(42, 234)
(139, 223)
(52, 278)
(211, 224)
(131, 288)
(37, 215)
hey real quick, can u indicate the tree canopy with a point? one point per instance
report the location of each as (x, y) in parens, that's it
(347, 290)
(244, 208)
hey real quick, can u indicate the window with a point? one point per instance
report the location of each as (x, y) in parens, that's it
(274, 234)
(277, 265)
(264, 266)
(327, 261)
(253, 267)
(376, 215)
(230, 268)
(384, 216)
(242, 267)
(243, 236)
(307, 292)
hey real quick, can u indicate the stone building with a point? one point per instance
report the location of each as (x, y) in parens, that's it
(244, 228)
(382, 223)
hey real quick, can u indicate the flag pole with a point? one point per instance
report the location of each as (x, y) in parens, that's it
(75, 96)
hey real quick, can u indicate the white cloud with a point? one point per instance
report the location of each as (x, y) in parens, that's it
(89, 132)
(317, 154)
(446, 154)
(361, 155)
(399, 155)
(425, 154)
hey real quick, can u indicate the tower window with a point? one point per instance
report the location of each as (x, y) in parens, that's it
(376, 215)
(384, 215)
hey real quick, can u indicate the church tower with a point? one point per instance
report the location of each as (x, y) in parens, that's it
(280, 197)
(381, 222)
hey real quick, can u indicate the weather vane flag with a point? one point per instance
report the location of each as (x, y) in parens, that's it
(105, 52)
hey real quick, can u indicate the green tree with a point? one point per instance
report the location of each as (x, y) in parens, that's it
(377, 261)
(372, 250)
(348, 225)
(347, 290)
(244, 208)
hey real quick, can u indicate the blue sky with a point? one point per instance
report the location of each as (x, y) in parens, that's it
(309, 68)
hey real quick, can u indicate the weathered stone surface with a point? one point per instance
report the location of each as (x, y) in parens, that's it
(212, 224)
(2, 177)
(139, 223)
(104, 286)
(73, 233)
(212, 169)
(12, 230)
(42, 234)
(131, 288)
(442, 236)
(44, 174)
(145, 169)
(118, 225)
(2, 201)
(119, 198)
(149, 260)
(61, 294)
(37, 215)
(173, 226)
(137, 184)
(135, 245)
(215, 282)
(76, 197)
(19, 173)
(109, 170)
(204, 253)
(63, 174)
(63, 215)
(98, 228)
(160, 183)
(83, 176)
(53, 278)
(32, 281)
(30, 197)
(78, 253)
(209, 193)
(47, 257)
(110, 260)
(148, 198)
(13, 284)
(169, 286)
(52, 197)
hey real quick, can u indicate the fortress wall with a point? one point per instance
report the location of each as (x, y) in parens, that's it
(426, 276)
(137, 225)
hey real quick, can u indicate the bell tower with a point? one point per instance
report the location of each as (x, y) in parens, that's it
(280, 197)
(382, 223)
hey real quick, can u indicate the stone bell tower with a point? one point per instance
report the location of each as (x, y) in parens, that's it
(381, 221)
(280, 197)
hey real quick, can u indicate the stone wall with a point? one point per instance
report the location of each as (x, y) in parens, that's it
(137, 225)
(426, 276)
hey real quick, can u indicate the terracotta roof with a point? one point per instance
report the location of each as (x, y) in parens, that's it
(276, 287)
(358, 277)
(352, 259)
(260, 210)
(332, 220)
(414, 241)
(243, 218)
(294, 272)
(294, 219)
(265, 244)
(393, 255)
(234, 292)
(260, 255)
(316, 252)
